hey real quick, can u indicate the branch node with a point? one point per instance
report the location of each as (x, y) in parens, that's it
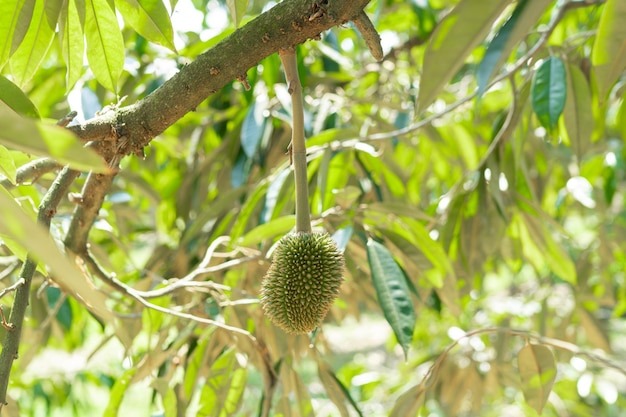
(243, 79)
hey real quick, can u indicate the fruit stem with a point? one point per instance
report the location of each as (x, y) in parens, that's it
(298, 146)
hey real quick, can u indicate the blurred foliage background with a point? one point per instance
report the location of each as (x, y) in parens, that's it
(476, 175)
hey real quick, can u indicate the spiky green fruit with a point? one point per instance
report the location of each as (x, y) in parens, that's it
(302, 282)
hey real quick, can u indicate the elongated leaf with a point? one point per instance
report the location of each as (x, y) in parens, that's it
(15, 98)
(273, 228)
(510, 34)
(252, 129)
(336, 391)
(549, 91)
(105, 46)
(452, 42)
(555, 257)
(117, 393)
(15, 17)
(42, 139)
(393, 293)
(72, 42)
(409, 403)
(28, 56)
(537, 373)
(150, 19)
(26, 232)
(237, 9)
(7, 165)
(578, 114)
(609, 49)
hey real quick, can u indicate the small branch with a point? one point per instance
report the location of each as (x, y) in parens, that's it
(367, 30)
(298, 145)
(30, 171)
(10, 347)
(93, 193)
(12, 288)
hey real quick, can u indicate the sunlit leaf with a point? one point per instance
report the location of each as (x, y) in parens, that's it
(549, 91)
(72, 42)
(335, 390)
(7, 165)
(393, 293)
(274, 228)
(453, 40)
(150, 19)
(15, 98)
(29, 55)
(578, 114)
(510, 34)
(537, 373)
(609, 49)
(237, 9)
(409, 403)
(43, 139)
(15, 17)
(117, 393)
(105, 46)
(20, 227)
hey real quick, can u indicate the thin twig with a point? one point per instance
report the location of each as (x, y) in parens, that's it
(30, 171)
(12, 288)
(545, 35)
(430, 376)
(10, 347)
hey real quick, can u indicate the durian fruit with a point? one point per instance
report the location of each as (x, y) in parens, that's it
(302, 281)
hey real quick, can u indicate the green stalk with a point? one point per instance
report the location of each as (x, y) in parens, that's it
(298, 146)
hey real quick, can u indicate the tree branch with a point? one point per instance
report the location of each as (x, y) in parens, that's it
(47, 209)
(291, 22)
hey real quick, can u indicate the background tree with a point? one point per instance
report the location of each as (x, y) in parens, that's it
(474, 180)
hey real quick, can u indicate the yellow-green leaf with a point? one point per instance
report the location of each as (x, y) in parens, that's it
(537, 373)
(15, 98)
(17, 225)
(72, 42)
(237, 9)
(29, 55)
(39, 138)
(452, 42)
(105, 46)
(409, 403)
(7, 165)
(150, 19)
(578, 114)
(15, 17)
(609, 49)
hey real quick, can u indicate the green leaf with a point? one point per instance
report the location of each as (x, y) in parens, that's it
(252, 129)
(549, 91)
(42, 139)
(72, 42)
(409, 403)
(224, 387)
(335, 390)
(509, 36)
(105, 46)
(117, 393)
(537, 373)
(269, 230)
(237, 9)
(578, 113)
(150, 19)
(17, 225)
(452, 42)
(393, 293)
(15, 98)
(15, 17)
(609, 49)
(29, 55)
(7, 165)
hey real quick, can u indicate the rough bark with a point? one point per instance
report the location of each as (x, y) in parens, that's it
(291, 22)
